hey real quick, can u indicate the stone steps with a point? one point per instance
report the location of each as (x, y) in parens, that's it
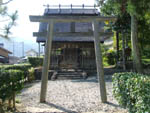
(62, 75)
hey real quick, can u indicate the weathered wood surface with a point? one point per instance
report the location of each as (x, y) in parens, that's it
(81, 45)
(99, 63)
(46, 63)
(66, 34)
(70, 18)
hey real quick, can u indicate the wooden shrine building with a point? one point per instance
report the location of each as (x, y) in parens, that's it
(72, 38)
(73, 43)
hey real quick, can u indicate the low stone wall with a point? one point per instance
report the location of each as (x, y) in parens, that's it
(38, 74)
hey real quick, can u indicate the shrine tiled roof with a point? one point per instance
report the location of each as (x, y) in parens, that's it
(67, 27)
(71, 12)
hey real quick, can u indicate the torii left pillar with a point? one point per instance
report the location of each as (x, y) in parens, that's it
(46, 62)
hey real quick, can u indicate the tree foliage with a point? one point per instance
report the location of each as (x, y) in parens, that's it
(136, 7)
(126, 10)
(7, 20)
(139, 8)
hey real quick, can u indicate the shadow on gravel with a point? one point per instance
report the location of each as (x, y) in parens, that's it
(91, 79)
(108, 78)
(60, 108)
(29, 85)
(112, 104)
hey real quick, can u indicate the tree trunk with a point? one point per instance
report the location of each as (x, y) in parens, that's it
(142, 46)
(123, 52)
(135, 49)
(14, 100)
(117, 45)
(9, 102)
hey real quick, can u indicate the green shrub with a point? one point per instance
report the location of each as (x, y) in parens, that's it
(31, 76)
(105, 61)
(111, 56)
(22, 67)
(132, 91)
(146, 52)
(10, 81)
(36, 61)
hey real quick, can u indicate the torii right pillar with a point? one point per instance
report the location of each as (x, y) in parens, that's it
(99, 61)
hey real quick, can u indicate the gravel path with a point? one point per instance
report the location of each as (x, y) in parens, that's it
(70, 96)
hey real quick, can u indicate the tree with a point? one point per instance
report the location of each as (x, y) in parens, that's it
(8, 20)
(136, 9)
(4, 3)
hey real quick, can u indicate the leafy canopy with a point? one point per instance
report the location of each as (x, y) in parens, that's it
(117, 7)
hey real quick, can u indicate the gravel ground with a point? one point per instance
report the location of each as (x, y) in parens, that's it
(70, 96)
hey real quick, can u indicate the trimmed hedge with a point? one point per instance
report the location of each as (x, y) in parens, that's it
(10, 81)
(35, 61)
(132, 91)
(22, 67)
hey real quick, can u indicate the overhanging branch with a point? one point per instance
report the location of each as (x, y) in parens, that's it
(6, 2)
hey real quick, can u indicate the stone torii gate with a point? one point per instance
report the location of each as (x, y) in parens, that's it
(51, 20)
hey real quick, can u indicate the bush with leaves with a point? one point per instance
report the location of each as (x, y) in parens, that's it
(22, 67)
(36, 61)
(11, 81)
(111, 56)
(132, 91)
(31, 76)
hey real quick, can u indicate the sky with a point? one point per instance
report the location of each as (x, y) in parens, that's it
(24, 29)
